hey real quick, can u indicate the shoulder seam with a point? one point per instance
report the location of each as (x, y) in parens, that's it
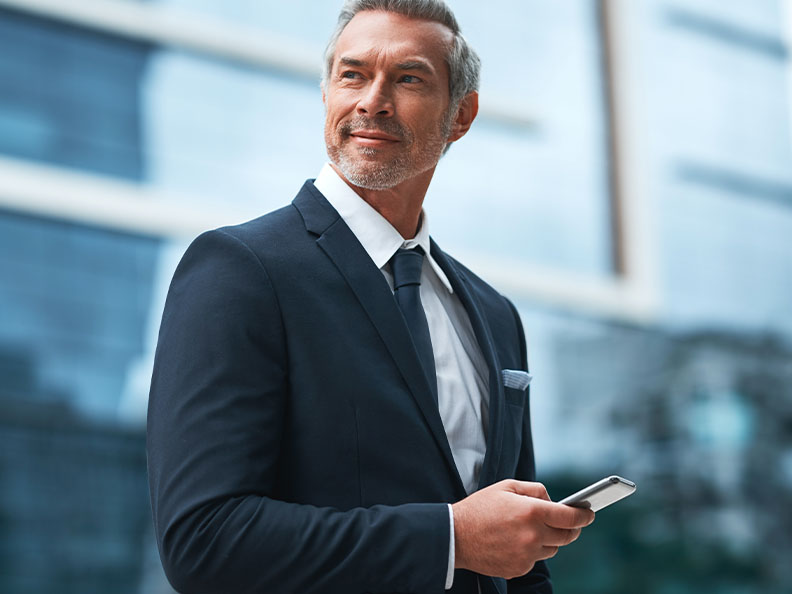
(264, 271)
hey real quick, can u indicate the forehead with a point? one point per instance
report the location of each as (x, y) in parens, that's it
(375, 34)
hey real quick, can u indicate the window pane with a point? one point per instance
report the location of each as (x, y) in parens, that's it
(70, 97)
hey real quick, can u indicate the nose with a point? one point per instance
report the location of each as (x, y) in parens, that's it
(376, 99)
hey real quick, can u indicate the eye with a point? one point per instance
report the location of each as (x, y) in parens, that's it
(350, 74)
(410, 78)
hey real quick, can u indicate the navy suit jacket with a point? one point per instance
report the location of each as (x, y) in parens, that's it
(293, 441)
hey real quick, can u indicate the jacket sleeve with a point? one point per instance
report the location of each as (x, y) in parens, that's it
(219, 394)
(537, 581)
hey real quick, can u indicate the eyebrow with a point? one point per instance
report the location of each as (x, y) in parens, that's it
(415, 65)
(351, 62)
(418, 65)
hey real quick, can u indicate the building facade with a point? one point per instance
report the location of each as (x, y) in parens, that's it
(628, 184)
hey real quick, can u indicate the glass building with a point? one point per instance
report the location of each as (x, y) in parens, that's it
(628, 184)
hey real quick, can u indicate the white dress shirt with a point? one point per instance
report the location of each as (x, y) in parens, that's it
(462, 384)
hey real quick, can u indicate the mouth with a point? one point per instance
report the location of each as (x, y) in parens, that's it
(373, 138)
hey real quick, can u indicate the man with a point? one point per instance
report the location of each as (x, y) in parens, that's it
(337, 405)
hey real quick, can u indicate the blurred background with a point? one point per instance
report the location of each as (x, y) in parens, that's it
(628, 184)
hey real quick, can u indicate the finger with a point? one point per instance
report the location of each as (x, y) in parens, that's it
(558, 537)
(564, 516)
(547, 553)
(536, 490)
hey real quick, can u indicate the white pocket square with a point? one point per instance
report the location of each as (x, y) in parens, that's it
(516, 378)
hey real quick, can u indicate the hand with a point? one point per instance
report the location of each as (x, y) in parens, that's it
(504, 529)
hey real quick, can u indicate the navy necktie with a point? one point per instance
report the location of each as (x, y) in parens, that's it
(406, 268)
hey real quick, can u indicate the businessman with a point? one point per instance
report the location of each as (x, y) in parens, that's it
(337, 405)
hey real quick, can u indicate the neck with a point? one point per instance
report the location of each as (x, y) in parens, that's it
(400, 205)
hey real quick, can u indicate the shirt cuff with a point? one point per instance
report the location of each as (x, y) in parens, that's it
(451, 550)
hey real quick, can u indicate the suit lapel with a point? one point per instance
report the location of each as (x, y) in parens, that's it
(464, 290)
(372, 291)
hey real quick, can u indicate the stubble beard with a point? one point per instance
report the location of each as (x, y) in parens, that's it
(366, 167)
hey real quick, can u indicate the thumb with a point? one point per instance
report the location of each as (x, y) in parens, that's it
(536, 490)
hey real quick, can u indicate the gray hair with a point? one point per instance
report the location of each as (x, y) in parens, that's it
(464, 65)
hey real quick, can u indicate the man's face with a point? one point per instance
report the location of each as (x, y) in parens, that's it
(387, 99)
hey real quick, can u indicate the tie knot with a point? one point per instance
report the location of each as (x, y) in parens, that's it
(406, 267)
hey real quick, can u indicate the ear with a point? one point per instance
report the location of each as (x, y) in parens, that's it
(466, 113)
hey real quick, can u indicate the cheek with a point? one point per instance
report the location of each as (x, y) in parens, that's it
(331, 121)
(330, 133)
(340, 105)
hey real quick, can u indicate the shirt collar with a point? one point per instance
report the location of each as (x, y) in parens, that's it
(377, 236)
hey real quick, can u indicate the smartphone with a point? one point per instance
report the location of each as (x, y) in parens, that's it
(601, 494)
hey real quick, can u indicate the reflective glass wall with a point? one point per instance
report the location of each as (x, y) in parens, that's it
(688, 396)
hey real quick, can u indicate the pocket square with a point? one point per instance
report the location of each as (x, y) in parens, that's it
(516, 378)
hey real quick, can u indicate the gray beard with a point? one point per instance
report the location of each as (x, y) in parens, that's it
(382, 177)
(404, 166)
